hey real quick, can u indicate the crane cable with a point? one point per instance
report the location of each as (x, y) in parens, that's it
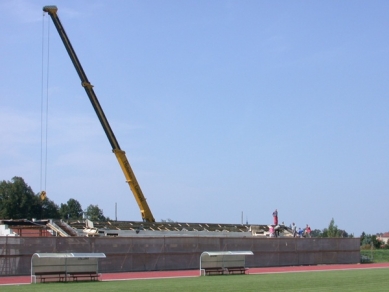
(44, 132)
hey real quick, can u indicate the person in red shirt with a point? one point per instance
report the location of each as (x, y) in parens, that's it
(307, 231)
(275, 217)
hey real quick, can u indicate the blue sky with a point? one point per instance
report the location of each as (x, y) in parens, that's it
(222, 107)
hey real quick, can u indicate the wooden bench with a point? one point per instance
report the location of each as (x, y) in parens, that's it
(238, 270)
(42, 276)
(215, 271)
(93, 276)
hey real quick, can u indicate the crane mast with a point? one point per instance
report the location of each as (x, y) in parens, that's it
(120, 154)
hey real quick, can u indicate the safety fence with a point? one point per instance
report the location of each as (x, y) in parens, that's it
(126, 254)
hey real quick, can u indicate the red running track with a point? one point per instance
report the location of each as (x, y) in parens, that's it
(17, 280)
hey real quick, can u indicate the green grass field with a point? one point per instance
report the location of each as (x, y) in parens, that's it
(377, 255)
(353, 280)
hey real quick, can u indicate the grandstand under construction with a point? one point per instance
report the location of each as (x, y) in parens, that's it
(62, 228)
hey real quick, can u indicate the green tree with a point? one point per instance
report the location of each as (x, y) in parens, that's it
(94, 213)
(370, 241)
(18, 201)
(316, 233)
(49, 209)
(362, 237)
(334, 231)
(71, 210)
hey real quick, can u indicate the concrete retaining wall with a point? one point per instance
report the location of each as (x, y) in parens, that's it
(126, 254)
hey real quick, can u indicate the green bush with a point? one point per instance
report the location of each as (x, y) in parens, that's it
(365, 247)
(376, 255)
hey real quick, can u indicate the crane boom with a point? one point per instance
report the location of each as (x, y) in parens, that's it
(120, 154)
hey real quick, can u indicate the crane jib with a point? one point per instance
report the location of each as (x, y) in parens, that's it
(120, 155)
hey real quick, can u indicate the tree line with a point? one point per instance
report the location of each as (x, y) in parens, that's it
(331, 231)
(367, 241)
(18, 201)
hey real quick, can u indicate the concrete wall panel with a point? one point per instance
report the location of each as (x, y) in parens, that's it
(126, 254)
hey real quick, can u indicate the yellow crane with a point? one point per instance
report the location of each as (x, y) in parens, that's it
(120, 154)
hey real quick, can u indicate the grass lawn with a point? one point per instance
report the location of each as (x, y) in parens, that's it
(377, 255)
(353, 280)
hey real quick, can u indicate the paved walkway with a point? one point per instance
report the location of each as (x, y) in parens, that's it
(195, 273)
